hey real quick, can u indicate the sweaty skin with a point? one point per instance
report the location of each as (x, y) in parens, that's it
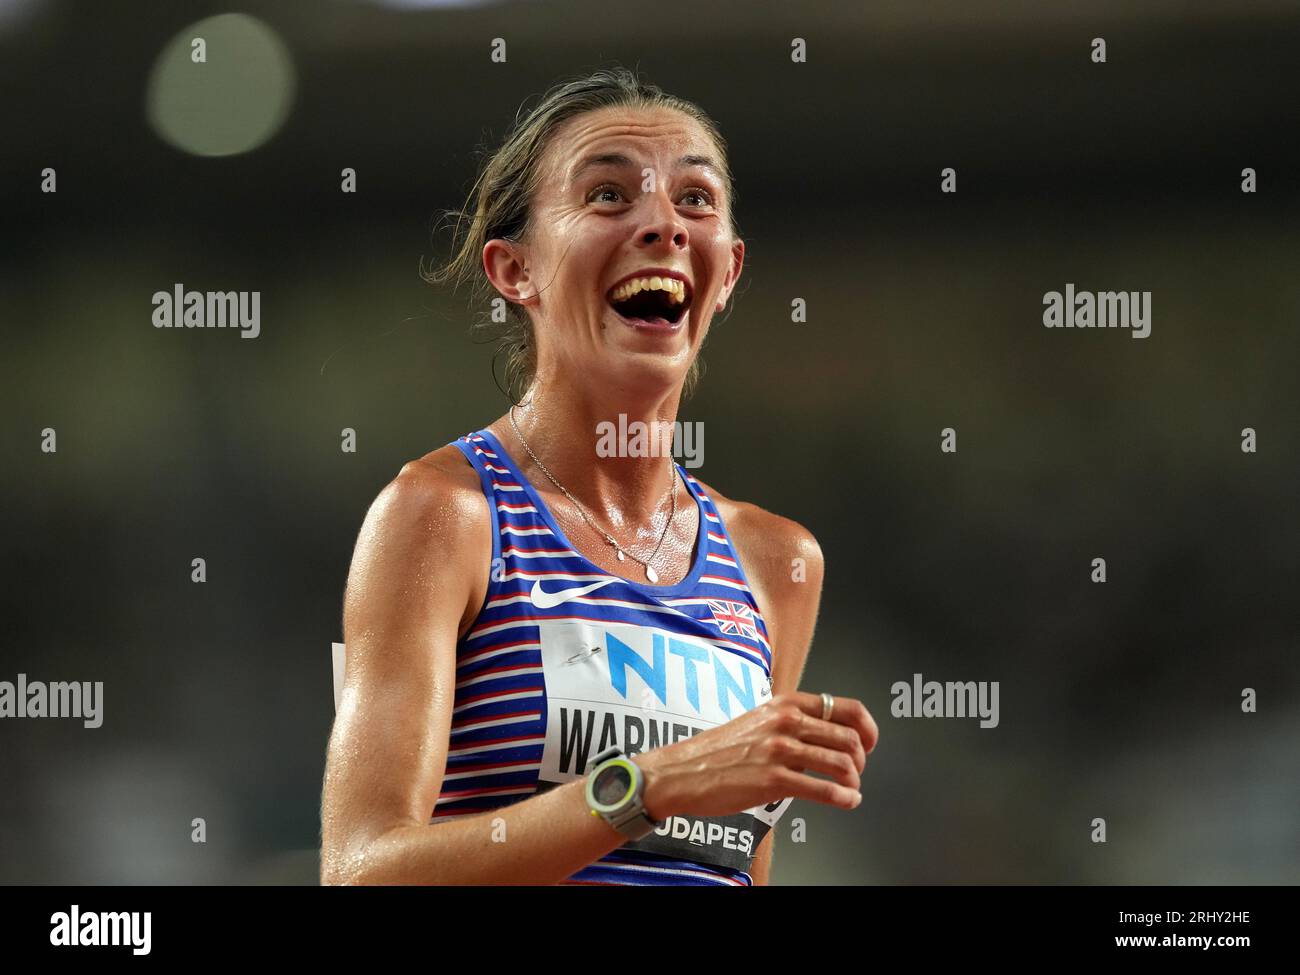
(766, 545)
(422, 562)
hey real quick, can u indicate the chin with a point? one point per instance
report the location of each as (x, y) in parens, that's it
(648, 369)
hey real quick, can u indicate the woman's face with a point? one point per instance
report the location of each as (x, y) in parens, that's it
(626, 196)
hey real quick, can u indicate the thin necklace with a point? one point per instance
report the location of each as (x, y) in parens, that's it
(650, 573)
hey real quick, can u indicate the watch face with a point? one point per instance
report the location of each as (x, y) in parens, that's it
(612, 785)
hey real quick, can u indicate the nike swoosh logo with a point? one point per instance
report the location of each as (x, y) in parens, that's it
(548, 600)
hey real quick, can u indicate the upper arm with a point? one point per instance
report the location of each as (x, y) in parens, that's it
(789, 569)
(407, 591)
(785, 567)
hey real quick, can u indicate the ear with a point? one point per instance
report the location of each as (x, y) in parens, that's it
(733, 273)
(506, 266)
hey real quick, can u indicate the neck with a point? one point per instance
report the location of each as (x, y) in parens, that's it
(609, 449)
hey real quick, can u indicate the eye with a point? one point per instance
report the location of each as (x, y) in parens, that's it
(704, 197)
(603, 194)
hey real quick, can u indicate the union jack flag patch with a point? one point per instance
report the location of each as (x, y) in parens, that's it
(733, 619)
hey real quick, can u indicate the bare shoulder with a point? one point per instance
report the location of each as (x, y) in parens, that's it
(438, 487)
(445, 470)
(781, 558)
(765, 534)
(431, 516)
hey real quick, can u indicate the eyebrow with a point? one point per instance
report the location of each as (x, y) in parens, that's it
(618, 159)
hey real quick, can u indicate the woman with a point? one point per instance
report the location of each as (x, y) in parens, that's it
(577, 682)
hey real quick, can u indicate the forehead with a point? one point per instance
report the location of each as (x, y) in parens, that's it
(646, 135)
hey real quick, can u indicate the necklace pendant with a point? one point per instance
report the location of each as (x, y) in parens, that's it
(651, 574)
(620, 556)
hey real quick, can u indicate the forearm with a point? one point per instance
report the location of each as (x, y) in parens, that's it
(540, 840)
(760, 870)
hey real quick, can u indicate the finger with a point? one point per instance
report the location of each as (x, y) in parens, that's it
(837, 737)
(803, 757)
(801, 786)
(867, 727)
(846, 711)
(809, 703)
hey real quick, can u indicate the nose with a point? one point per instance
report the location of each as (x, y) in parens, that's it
(662, 224)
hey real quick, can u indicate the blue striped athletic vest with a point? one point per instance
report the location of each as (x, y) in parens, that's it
(565, 660)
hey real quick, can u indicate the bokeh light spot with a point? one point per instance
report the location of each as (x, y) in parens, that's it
(231, 103)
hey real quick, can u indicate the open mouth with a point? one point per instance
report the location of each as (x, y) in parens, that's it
(652, 300)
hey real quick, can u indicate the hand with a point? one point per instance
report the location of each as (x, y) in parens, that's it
(762, 756)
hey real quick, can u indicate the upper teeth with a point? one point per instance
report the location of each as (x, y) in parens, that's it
(676, 289)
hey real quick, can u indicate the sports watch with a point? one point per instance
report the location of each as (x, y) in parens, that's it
(614, 788)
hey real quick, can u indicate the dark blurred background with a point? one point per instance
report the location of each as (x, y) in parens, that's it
(1118, 701)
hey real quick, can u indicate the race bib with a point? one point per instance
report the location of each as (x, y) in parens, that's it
(639, 688)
